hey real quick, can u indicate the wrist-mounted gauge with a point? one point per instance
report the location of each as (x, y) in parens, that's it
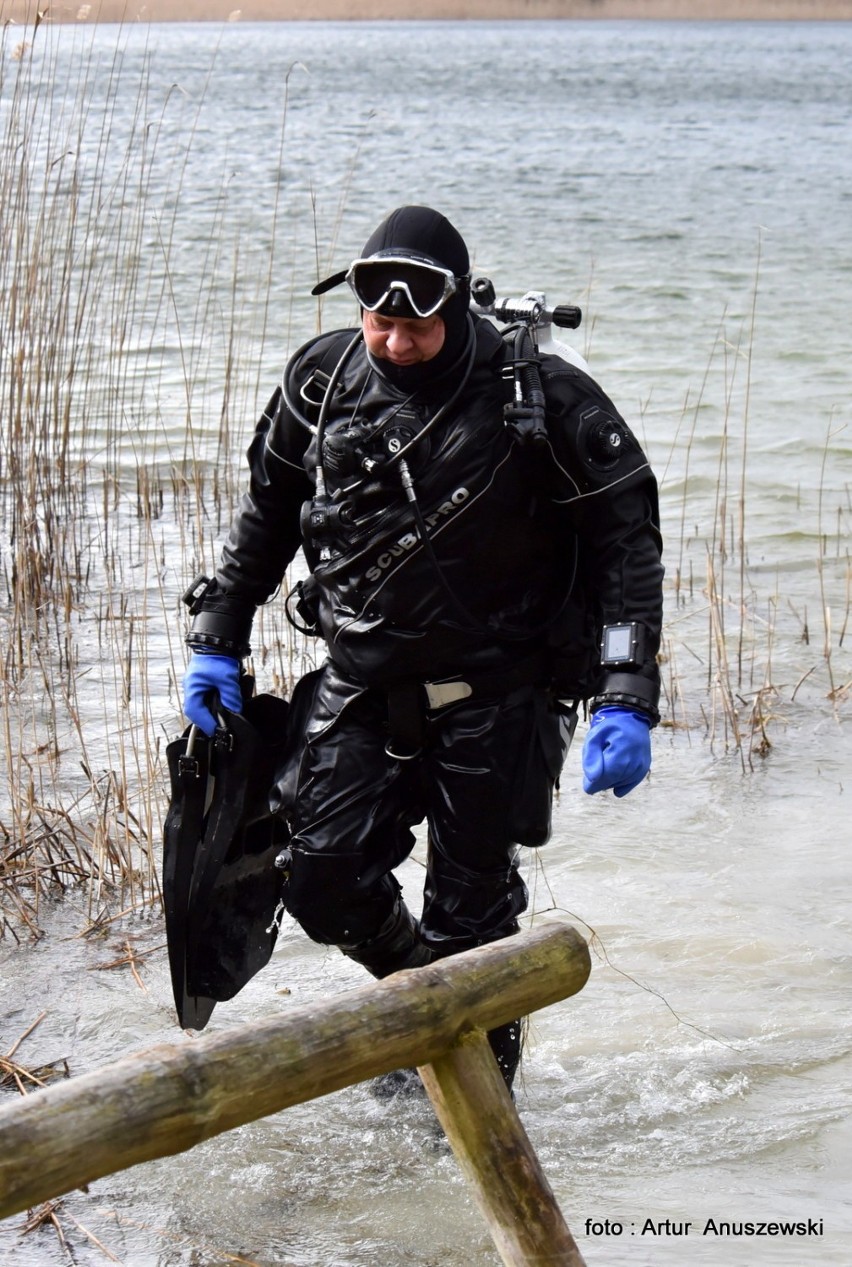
(622, 646)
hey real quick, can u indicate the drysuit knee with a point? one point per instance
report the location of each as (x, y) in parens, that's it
(329, 897)
(397, 945)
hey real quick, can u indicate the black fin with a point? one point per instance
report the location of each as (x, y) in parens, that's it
(221, 889)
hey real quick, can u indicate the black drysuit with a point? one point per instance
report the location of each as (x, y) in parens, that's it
(488, 579)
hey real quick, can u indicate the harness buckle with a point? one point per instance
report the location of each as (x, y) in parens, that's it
(440, 694)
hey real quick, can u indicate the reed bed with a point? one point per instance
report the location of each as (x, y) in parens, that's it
(123, 425)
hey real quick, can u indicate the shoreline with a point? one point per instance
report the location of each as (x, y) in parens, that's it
(23, 12)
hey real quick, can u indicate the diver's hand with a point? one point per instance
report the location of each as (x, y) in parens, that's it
(617, 750)
(204, 674)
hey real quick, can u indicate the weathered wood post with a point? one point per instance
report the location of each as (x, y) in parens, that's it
(167, 1099)
(476, 1111)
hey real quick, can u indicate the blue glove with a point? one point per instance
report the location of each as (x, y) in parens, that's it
(617, 751)
(206, 673)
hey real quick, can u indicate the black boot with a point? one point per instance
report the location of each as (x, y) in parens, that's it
(506, 1043)
(397, 945)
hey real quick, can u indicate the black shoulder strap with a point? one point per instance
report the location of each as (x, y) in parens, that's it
(319, 361)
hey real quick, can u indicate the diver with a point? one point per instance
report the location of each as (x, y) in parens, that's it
(471, 588)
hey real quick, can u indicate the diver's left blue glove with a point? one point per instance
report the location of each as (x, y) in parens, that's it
(617, 750)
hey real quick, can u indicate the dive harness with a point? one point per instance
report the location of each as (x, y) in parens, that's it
(524, 415)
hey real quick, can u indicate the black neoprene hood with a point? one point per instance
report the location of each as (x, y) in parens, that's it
(424, 232)
(427, 234)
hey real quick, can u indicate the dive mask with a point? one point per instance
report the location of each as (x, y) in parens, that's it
(425, 285)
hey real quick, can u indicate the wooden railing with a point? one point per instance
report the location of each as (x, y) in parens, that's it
(168, 1098)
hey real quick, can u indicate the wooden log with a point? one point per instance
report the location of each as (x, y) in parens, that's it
(167, 1099)
(476, 1111)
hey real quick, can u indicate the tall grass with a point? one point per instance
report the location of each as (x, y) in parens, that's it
(120, 465)
(104, 513)
(753, 649)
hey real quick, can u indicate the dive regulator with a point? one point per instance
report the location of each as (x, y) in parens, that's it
(530, 319)
(531, 310)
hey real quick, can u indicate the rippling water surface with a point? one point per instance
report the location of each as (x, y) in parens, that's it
(690, 185)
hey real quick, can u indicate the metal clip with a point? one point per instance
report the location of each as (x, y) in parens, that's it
(401, 756)
(440, 694)
(277, 918)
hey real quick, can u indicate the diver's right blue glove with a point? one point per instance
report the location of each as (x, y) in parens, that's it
(206, 673)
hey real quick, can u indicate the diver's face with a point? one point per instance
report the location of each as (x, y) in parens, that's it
(403, 340)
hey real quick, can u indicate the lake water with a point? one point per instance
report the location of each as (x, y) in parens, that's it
(689, 185)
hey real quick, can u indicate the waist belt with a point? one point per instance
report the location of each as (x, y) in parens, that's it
(410, 702)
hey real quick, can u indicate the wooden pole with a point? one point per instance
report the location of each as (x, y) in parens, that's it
(476, 1111)
(167, 1099)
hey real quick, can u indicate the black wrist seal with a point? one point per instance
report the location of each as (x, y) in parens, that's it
(221, 623)
(629, 690)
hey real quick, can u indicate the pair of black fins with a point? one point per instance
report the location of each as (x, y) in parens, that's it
(221, 888)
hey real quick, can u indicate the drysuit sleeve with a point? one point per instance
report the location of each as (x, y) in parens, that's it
(264, 535)
(607, 493)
